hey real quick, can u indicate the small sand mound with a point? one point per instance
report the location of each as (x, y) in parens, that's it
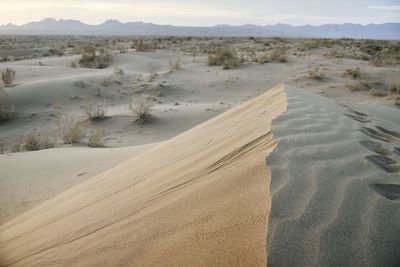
(200, 199)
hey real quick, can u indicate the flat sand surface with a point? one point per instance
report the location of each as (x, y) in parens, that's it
(28, 178)
(335, 185)
(198, 199)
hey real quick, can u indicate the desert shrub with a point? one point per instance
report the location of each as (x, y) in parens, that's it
(316, 74)
(334, 53)
(278, 55)
(152, 73)
(6, 109)
(95, 111)
(142, 46)
(8, 76)
(378, 92)
(225, 57)
(106, 82)
(175, 65)
(73, 64)
(92, 59)
(141, 107)
(356, 86)
(32, 142)
(96, 138)
(263, 57)
(72, 131)
(353, 73)
(118, 71)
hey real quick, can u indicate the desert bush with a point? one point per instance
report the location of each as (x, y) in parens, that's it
(225, 57)
(334, 53)
(263, 57)
(96, 138)
(356, 86)
(8, 76)
(6, 109)
(353, 73)
(32, 142)
(72, 131)
(141, 107)
(278, 55)
(92, 59)
(316, 74)
(73, 64)
(378, 92)
(152, 73)
(175, 65)
(142, 46)
(118, 71)
(95, 111)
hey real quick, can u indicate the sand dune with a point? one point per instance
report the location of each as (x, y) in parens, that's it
(335, 186)
(49, 172)
(199, 199)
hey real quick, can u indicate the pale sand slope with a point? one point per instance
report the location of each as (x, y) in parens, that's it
(29, 178)
(335, 197)
(199, 199)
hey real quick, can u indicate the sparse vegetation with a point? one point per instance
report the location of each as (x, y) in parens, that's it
(72, 131)
(353, 73)
(152, 73)
(8, 76)
(141, 107)
(225, 57)
(92, 59)
(378, 92)
(263, 58)
(6, 109)
(96, 138)
(118, 71)
(278, 55)
(175, 65)
(95, 111)
(142, 46)
(316, 74)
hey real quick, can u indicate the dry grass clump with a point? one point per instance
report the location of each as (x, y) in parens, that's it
(278, 55)
(141, 108)
(74, 65)
(92, 59)
(72, 131)
(32, 141)
(8, 76)
(6, 109)
(118, 71)
(225, 57)
(378, 92)
(353, 73)
(335, 53)
(356, 86)
(263, 58)
(96, 138)
(175, 65)
(152, 72)
(95, 111)
(142, 46)
(381, 52)
(316, 74)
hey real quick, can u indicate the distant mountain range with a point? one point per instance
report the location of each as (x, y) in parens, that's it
(114, 27)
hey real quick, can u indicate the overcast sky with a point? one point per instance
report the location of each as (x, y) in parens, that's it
(204, 12)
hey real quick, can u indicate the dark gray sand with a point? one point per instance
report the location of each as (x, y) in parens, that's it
(335, 185)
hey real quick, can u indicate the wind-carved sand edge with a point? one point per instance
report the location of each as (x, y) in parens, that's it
(201, 198)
